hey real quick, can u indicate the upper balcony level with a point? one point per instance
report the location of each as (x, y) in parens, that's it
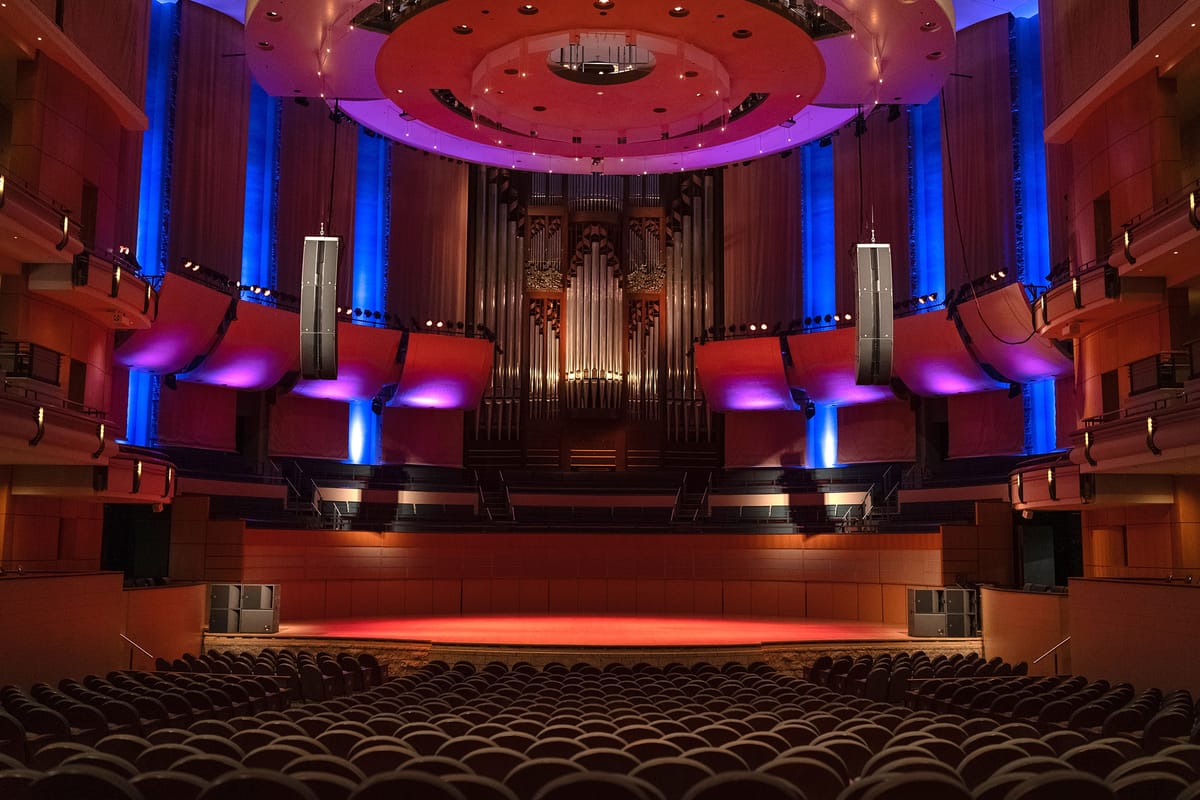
(1157, 250)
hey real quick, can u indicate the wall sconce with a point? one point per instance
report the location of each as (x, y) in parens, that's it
(1087, 448)
(99, 441)
(1150, 431)
(39, 417)
(116, 281)
(66, 233)
(1020, 489)
(167, 482)
(1192, 211)
(2, 195)
(1042, 306)
(137, 476)
(1051, 485)
(146, 299)
(1128, 240)
(1076, 293)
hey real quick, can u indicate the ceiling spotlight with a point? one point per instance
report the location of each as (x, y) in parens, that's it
(603, 5)
(440, 324)
(753, 327)
(428, 323)
(1001, 273)
(994, 276)
(463, 30)
(679, 12)
(528, 10)
(848, 318)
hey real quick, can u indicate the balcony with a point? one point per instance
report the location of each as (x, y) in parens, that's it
(1093, 294)
(30, 361)
(1160, 372)
(110, 290)
(34, 228)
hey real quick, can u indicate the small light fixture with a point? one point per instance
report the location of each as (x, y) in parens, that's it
(463, 30)
(1051, 485)
(99, 441)
(528, 9)
(679, 12)
(39, 417)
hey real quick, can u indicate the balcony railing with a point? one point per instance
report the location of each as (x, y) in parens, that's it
(32, 361)
(1160, 371)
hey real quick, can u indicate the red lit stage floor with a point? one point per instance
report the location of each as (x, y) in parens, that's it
(406, 643)
(596, 631)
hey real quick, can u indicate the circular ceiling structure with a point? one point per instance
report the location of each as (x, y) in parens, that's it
(619, 86)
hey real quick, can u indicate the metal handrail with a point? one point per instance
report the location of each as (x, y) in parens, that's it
(1051, 650)
(141, 649)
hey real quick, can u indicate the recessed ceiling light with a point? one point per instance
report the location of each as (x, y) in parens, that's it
(742, 33)
(678, 12)
(603, 4)
(929, 26)
(528, 9)
(936, 55)
(463, 30)
(274, 16)
(265, 46)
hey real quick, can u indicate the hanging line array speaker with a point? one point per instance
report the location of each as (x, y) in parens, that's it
(873, 320)
(318, 309)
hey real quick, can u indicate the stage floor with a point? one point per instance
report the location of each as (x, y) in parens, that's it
(597, 631)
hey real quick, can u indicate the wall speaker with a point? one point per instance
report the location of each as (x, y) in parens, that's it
(318, 308)
(873, 323)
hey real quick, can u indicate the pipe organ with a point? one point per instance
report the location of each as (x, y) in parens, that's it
(596, 287)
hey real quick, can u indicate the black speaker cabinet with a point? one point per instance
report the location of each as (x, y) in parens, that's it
(960, 625)
(224, 595)
(258, 620)
(258, 596)
(922, 601)
(960, 601)
(318, 308)
(223, 620)
(873, 320)
(927, 625)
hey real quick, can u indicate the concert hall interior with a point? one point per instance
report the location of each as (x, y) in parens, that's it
(607, 335)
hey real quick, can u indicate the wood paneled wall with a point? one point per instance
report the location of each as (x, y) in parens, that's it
(1145, 541)
(427, 254)
(1135, 632)
(55, 627)
(1021, 626)
(329, 574)
(763, 241)
(64, 135)
(212, 112)
(48, 533)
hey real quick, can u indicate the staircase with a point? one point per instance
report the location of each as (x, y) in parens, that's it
(691, 504)
(493, 497)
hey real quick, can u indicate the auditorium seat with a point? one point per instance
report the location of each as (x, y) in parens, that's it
(168, 785)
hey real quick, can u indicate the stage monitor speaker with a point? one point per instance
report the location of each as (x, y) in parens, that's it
(927, 625)
(318, 308)
(873, 320)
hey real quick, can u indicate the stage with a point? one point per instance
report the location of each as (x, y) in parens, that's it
(405, 643)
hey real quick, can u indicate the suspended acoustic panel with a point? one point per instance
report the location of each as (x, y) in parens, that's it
(447, 372)
(189, 315)
(366, 360)
(873, 320)
(259, 348)
(931, 359)
(744, 375)
(823, 367)
(998, 326)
